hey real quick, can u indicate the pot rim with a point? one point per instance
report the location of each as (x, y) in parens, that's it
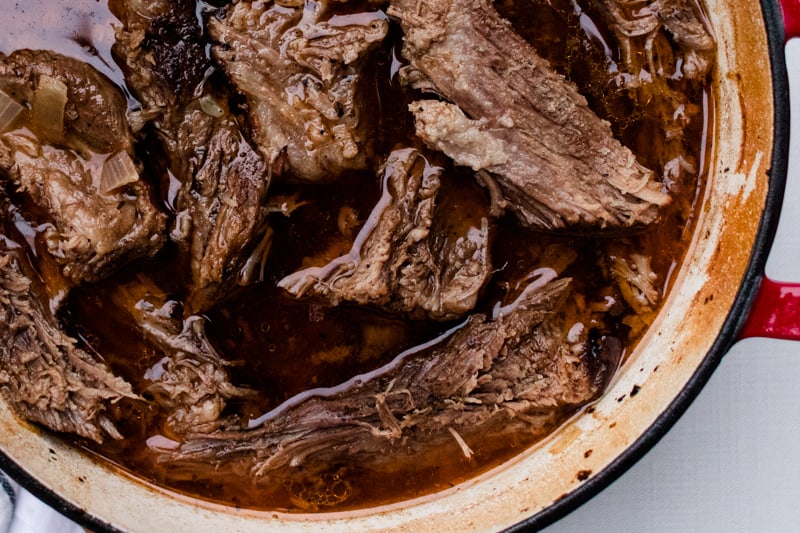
(738, 314)
(727, 336)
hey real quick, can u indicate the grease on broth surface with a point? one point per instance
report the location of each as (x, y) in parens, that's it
(282, 347)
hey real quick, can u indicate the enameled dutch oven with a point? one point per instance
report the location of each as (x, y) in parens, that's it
(720, 295)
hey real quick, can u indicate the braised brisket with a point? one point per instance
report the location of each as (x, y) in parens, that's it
(511, 371)
(299, 71)
(91, 231)
(410, 257)
(227, 99)
(44, 376)
(527, 131)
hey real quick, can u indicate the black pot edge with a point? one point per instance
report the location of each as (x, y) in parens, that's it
(727, 337)
(739, 311)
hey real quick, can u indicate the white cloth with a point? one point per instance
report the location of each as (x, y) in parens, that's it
(8, 500)
(21, 512)
(33, 516)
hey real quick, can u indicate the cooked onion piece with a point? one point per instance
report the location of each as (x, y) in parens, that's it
(49, 101)
(118, 171)
(210, 106)
(9, 111)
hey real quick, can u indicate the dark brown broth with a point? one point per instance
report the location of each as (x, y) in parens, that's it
(283, 347)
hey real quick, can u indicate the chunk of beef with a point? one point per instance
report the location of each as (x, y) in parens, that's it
(530, 134)
(505, 373)
(160, 47)
(409, 257)
(94, 111)
(44, 376)
(299, 71)
(223, 180)
(191, 379)
(222, 212)
(94, 226)
(679, 18)
(667, 53)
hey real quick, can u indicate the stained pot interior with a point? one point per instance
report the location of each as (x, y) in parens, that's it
(662, 364)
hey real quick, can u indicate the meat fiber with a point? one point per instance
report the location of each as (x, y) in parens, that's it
(221, 216)
(679, 18)
(44, 376)
(299, 71)
(508, 372)
(667, 53)
(190, 381)
(90, 231)
(505, 113)
(410, 257)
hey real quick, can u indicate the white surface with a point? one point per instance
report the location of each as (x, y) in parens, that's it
(731, 463)
(8, 497)
(32, 516)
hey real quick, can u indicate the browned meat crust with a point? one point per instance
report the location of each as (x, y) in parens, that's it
(161, 49)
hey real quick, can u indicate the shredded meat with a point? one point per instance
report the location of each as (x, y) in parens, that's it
(191, 380)
(44, 376)
(677, 17)
(508, 115)
(636, 281)
(407, 258)
(508, 372)
(299, 72)
(664, 44)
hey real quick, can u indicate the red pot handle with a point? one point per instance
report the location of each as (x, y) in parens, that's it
(775, 313)
(791, 18)
(776, 310)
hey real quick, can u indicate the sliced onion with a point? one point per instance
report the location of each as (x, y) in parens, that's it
(210, 106)
(9, 111)
(49, 101)
(118, 171)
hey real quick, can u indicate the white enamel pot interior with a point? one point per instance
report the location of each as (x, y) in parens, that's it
(698, 322)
